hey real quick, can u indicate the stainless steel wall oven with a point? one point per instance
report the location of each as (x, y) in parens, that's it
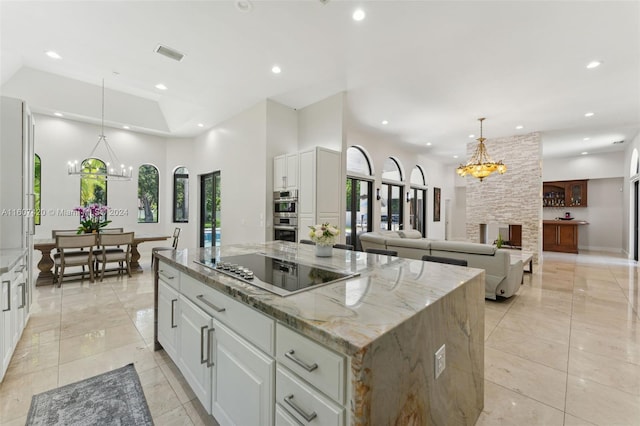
(285, 215)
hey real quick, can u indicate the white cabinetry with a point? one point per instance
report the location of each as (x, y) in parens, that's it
(168, 319)
(320, 189)
(285, 172)
(243, 390)
(13, 314)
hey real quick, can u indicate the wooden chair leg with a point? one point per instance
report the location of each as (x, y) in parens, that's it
(61, 276)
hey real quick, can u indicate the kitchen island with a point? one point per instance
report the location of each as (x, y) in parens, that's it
(365, 347)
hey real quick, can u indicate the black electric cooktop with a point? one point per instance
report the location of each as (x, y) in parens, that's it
(283, 277)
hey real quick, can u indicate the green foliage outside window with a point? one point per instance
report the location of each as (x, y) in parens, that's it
(148, 183)
(93, 187)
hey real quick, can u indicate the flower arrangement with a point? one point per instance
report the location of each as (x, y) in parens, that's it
(92, 218)
(323, 235)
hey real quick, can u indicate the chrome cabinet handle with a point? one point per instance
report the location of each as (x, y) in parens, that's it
(202, 358)
(308, 417)
(210, 362)
(8, 296)
(24, 295)
(164, 275)
(209, 304)
(173, 310)
(21, 268)
(292, 357)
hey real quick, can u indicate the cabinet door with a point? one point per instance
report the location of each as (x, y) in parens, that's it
(20, 311)
(307, 190)
(195, 339)
(549, 237)
(5, 322)
(292, 171)
(577, 193)
(279, 172)
(568, 238)
(168, 319)
(285, 419)
(244, 381)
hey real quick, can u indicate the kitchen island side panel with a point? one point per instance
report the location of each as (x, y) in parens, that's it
(393, 379)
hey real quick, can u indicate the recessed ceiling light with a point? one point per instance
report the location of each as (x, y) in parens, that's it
(161, 86)
(455, 156)
(244, 5)
(126, 127)
(200, 125)
(472, 136)
(594, 64)
(519, 126)
(589, 114)
(428, 143)
(358, 15)
(385, 122)
(58, 114)
(276, 69)
(584, 153)
(586, 139)
(52, 54)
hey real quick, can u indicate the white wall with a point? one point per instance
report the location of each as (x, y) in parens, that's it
(58, 140)
(180, 153)
(237, 148)
(321, 124)
(593, 166)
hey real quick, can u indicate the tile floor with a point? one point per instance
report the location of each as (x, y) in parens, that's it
(564, 351)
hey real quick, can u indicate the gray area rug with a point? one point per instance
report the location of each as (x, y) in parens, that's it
(111, 398)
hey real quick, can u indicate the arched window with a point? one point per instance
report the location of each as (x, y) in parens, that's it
(392, 196)
(358, 162)
(418, 200)
(148, 182)
(93, 188)
(37, 188)
(634, 166)
(359, 193)
(181, 195)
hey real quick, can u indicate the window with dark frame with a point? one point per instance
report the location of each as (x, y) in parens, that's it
(181, 195)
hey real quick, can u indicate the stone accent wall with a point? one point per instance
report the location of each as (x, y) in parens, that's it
(513, 198)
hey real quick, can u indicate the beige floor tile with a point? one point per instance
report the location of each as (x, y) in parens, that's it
(533, 324)
(16, 392)
(503, 406)
(160, 396)
(176, 417)
(612, 343)
(177, 381)
(539, 382)
(543, 351)
(602, 405)
(97, 341)
(597, 368)
(570, 420)
(491, 320)
(33, 359)
(198, 414)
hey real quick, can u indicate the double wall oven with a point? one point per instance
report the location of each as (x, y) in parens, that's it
(285, 215)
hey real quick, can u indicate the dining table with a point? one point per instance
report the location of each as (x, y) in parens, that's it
(45, 245)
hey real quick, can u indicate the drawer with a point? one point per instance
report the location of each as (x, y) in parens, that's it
(304, 403)
(254, 326)
(283, 418)
(169, 274)
(320, 366)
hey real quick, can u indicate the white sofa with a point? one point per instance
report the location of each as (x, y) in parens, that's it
(502, 278)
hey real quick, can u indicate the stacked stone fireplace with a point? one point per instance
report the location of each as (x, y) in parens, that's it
(514, 198)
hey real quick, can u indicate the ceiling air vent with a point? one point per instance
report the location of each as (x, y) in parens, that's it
(169, 53)
(618, 142)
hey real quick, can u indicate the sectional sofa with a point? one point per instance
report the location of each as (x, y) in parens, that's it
(502, 276)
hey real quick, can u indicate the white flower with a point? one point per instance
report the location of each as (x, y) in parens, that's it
(323, 234)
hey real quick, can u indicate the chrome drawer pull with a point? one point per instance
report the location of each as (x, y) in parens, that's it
(164, 275)
(21, 268)
(24, 295)
(173, 310)
(202, 358)
(209, 304)
(210, 362)
(8, 296)
(308, 417)
(298, 361)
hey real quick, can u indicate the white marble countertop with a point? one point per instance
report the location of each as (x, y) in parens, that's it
(9, 258)
(347, 315)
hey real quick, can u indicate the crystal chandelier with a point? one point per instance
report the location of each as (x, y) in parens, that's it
(481, 165)
(111, 171)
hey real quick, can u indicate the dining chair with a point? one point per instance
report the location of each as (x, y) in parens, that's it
(122, 241)
(309, 242)
(447, 260)
(382, 251)
(343, 246)
(74, 250)
(174, 245)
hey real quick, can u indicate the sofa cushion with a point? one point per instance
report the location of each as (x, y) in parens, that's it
(463, 247)
(422, 243)
(410, 234)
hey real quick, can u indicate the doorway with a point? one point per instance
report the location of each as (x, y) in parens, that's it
(210, 223)
(359, 208)
(635, 219)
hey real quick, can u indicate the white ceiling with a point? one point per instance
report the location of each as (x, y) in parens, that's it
(429, 68)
